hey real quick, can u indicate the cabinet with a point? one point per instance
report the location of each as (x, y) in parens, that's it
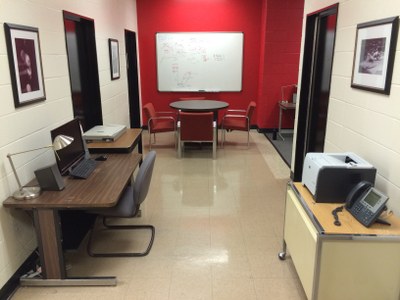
(340, 262)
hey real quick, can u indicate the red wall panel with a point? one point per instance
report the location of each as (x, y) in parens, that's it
(259, 73)
(281, 61)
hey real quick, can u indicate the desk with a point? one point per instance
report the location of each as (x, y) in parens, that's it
(200, 106)
(102, 189)
(124, 144)
(340, 262)
(284, 106)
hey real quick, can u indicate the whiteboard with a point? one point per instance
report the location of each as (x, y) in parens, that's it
(199, 61)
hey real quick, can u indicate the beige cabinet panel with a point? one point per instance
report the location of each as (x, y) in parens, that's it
(352, 269)
(301, 238)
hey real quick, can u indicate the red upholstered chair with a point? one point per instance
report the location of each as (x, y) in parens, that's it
(197, 127)
(238, 119)
(158, 121)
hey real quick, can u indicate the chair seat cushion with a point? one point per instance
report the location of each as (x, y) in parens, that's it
(163, 126)
(123, 209)
(235, 123)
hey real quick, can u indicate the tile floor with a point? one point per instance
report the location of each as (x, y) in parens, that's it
(218, 231)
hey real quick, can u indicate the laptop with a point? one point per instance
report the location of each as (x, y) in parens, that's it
(104, 133)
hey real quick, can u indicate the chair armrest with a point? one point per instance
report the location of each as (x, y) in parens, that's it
(235, 116)
(171, 113)
(173, 120)
(162, 114)
(235, 111)
(162, 118)
(243, 110)
(166, 112)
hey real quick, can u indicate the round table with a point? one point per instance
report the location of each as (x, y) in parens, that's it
(199, 106)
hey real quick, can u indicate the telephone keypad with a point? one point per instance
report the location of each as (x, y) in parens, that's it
(363, 213)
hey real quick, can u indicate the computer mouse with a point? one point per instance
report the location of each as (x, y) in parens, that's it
(101, 157)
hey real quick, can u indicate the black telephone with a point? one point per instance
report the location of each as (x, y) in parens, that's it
(366, 203)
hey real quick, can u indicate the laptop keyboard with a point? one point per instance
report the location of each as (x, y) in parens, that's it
(84, 169)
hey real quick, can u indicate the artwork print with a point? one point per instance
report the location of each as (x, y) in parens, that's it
(25, 64)
(374, 55)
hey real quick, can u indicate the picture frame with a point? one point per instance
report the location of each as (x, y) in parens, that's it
(25, 63)
(113, 46)
(374, 54)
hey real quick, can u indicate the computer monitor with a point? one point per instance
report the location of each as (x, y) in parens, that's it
(75, 152)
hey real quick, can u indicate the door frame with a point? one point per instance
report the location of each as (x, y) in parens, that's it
(86, 106)
(307, 86)
(133, 78)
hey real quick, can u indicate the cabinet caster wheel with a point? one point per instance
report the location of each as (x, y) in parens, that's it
(282, 255)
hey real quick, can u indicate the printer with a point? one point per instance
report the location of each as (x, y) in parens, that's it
(330, 176)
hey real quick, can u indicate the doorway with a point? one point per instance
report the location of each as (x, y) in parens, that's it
(133, 79)
(316, 76)
(83, 69)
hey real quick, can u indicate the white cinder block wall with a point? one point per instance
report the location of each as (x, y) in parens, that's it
(29, 126)
(363, 122)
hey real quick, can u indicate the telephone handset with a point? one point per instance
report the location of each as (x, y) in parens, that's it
(365, 203)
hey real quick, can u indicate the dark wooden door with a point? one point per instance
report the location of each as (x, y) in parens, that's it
(133, 81)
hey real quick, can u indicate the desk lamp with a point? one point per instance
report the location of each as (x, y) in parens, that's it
(31, 192)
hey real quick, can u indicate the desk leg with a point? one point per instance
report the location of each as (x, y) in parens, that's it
(48, 232)
(140, 148)
(140, 145)
(280, 124)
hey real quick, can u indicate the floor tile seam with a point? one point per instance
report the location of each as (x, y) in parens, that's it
(234, 279)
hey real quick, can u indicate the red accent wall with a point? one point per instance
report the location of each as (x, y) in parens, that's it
(249, 17)
(281, 60)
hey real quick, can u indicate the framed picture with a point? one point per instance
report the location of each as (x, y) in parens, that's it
(374, 55)
(114, 58)
(25, 63)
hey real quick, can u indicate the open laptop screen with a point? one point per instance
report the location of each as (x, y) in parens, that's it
(75, 152)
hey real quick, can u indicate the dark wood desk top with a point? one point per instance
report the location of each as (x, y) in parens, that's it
(102, 189)
(199, 105)
(323, 213)
(124, 144)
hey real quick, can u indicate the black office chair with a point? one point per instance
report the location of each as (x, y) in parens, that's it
(128, 207)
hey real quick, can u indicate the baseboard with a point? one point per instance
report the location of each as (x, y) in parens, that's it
(267, 130)
(261, 130)
(144, 127)
(11, 285)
